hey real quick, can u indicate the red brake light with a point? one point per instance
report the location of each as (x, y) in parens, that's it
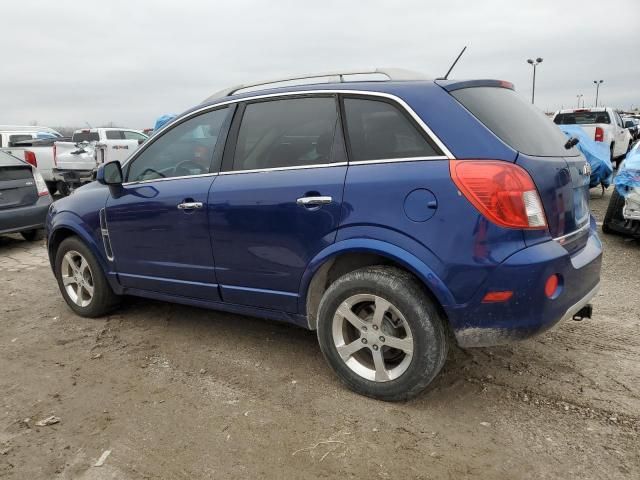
(30, 158)
(503, 192)
(599, 137)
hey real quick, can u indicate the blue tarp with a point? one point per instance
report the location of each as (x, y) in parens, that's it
(596, 153)
(164, 119)
(629, 174)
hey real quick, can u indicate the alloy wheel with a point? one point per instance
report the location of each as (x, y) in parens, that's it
(77, 278)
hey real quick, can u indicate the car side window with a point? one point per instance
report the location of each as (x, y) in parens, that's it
(184, 150)
(379, 130)
(114, 135)
(286, 133)
(129, 135)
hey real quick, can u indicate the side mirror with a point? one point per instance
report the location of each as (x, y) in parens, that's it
(110, 173)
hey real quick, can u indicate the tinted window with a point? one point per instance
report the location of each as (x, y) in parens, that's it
(85, 137)
(515, 121)
(186, 149)
(19, 138)
(286, 133)
(378, 130)
(128, 135)
(114, 135)
(15, 173)
(581, 118)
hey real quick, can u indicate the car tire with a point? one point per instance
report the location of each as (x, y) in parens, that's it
(33, 235)
(81, 280)
(52, 187)
(614, 211)
(363, 356)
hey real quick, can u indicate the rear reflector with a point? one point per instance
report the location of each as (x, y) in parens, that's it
(30, 158)
(599, 136)
(501, 191)
(551, 286)
(497, 297)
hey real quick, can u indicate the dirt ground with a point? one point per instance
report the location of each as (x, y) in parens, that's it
(181, 393)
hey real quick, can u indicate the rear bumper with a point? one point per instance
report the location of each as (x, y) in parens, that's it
(73, 177)
(25, 218)
(529, 311)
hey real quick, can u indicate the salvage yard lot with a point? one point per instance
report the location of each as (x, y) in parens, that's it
(178, 392)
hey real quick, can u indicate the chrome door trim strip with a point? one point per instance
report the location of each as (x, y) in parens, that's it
(403, 159)
(215, 106)
(279, 169)
(140, 182)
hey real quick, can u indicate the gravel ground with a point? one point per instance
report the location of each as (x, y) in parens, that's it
(182, 393)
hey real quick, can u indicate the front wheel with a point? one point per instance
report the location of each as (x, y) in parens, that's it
(81, 281)
(381, 333)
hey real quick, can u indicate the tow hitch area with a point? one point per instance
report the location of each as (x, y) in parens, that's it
(584, 312)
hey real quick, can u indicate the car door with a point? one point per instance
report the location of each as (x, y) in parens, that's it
(158, 222)
(277, 202)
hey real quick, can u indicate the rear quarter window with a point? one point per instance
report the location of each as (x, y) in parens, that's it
(515, 121)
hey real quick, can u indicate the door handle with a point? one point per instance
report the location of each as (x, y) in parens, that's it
(189, 205)
(314, 201)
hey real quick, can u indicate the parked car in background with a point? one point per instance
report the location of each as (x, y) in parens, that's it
(623, 212)
(24, 198)
(16, 133)
(604, 124)
(633, 125)
(354, 208)
(40, 154)
(76, 160)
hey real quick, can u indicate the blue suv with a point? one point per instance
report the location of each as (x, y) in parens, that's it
(390, 213)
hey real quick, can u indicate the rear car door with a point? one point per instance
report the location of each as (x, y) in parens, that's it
(157, 221)
(277, 202)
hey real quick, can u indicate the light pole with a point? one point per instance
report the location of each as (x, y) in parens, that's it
(579, 98)
(534, 64)
(597, 82)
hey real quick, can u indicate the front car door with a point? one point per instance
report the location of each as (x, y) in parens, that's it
(158, 222)
(277, 202)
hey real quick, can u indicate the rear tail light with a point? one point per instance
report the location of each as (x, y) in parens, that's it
(599, 136)
(41, 185)
(30, 158)
(55, 154)
(503, 192)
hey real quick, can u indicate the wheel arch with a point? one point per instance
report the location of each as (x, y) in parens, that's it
(65, 227)
(343, 257)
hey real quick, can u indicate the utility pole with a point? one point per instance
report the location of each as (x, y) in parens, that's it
(534, 64)
(597, 82)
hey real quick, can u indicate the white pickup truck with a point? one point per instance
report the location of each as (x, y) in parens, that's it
(75, 161)
(603, 123)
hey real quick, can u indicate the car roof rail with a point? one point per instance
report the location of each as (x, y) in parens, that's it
(391, 74)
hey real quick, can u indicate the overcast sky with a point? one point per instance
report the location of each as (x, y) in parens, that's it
(66, 62)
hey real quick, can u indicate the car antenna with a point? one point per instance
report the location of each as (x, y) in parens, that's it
(454, 64)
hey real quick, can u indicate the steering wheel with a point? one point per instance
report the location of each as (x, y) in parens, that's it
(150, 170)
(186, 168)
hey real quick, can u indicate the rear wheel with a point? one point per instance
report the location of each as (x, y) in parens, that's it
(33, 235)
(52, 187)
(81, 281)
(614, 211)
(381, 333)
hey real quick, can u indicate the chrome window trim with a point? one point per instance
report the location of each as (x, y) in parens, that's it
(389, 96)
(140, 182)
(279, 169)
(401, 159)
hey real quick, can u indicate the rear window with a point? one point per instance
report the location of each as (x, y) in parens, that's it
(581, 118)
(15, 173)
(515, 121)
(85, 137)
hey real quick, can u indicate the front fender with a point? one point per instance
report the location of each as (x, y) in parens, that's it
(384, 249)
(90, 236)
